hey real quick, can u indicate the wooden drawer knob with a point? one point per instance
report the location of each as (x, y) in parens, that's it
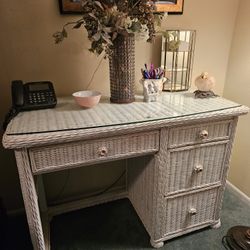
(203, 134)
(103, 151)
(192, 211)
(198, 168)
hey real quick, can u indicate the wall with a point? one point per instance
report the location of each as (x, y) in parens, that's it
(237, 88)
(27, 52)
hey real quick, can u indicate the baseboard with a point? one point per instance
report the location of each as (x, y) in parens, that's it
(238, 192)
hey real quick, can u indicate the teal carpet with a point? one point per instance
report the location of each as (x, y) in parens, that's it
(115, 225)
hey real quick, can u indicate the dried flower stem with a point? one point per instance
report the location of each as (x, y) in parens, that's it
(93, 75)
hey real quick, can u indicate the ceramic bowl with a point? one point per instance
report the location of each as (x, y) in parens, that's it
(87, 98)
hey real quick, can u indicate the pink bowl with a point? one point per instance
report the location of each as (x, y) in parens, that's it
(87, 98)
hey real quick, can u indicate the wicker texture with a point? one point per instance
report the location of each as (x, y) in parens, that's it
(173, 188)
(182, 136)
(141, 179)
(30, 199)
(147, 177)
(68, 116)
(225, 170)
(178, 215)
(181, 175)
(51, 158)
(121, 70)
(15, 141)
(159, 186)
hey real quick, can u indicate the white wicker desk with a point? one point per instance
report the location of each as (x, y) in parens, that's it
(176, 189)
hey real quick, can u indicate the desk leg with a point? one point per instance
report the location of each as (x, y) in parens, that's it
(43, 210)
(30, 199)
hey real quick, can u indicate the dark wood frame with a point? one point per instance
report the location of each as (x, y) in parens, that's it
(171, 8)
(69, 7)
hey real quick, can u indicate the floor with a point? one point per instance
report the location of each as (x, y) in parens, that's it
(115, 226)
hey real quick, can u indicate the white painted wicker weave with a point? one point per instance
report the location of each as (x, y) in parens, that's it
(178, 152)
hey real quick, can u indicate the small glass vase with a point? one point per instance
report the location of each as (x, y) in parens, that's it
(122, 70)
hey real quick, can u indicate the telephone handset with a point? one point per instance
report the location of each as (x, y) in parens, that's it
(17, 93)
(30, 96)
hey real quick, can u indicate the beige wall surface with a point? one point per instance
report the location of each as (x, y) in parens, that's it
(237, 88)
(28, 52)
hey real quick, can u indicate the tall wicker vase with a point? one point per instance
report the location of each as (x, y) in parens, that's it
(121, 68)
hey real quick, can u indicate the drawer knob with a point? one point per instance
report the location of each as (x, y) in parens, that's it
(204, 134)
(192, 211)
(198, 168)
(103, 151)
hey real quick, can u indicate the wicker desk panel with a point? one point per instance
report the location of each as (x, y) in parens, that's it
(62, 156)
(189, 211)
(181, 136)
(200, 165)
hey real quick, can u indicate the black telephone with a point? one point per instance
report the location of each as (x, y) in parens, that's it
(30, 96)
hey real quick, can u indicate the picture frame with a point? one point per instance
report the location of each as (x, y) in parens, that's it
(70, 6)
(170, 6)
(173, 7)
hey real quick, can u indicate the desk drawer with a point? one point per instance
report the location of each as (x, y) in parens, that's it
(189, 211)
(199, 133)
(56, 157)
(195, 166)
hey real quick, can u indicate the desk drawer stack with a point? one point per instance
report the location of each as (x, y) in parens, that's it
(194, 175)
(188, 181)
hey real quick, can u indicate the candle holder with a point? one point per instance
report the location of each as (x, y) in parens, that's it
(177, 59)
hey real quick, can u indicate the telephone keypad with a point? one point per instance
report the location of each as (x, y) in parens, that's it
(40, 97)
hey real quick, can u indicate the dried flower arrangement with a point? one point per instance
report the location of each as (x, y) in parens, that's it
(105, 20)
